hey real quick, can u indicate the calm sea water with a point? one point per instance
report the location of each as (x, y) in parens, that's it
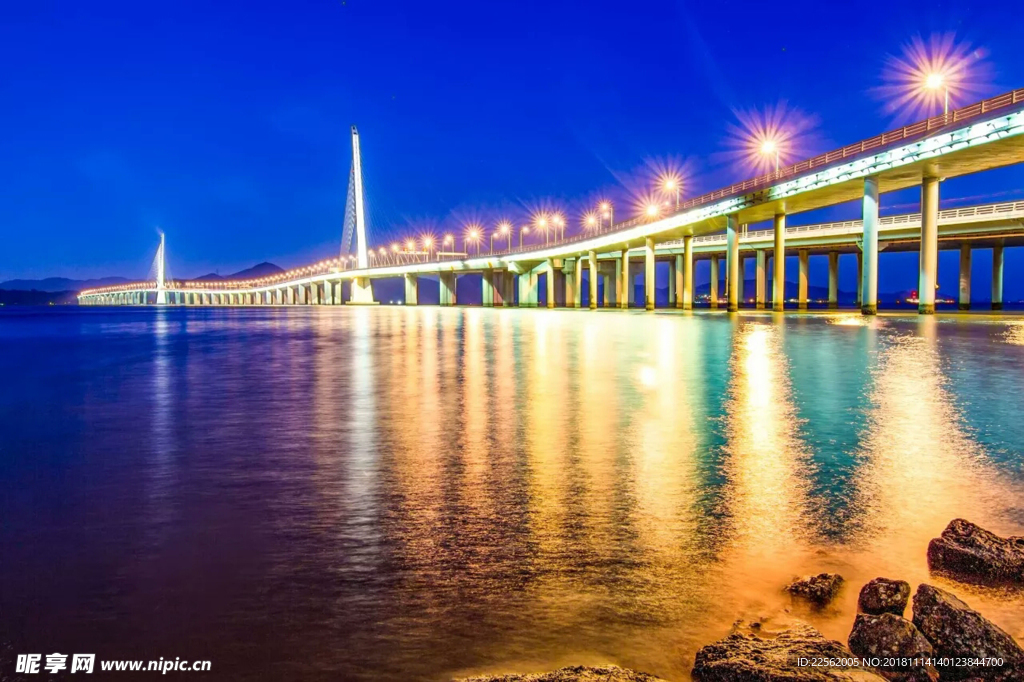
(418, 493)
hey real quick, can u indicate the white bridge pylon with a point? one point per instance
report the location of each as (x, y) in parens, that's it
(355, 226)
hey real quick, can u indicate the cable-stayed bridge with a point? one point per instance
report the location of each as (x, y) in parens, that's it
(980, 137)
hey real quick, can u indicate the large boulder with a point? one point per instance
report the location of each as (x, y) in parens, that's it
(789, 657)
(818, 589)
(892, 638)
(970, 553)
(958, 632)
(608, 673)
(882, 595)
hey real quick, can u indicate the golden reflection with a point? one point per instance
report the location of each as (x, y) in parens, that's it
(766, 462)
(1014, 333)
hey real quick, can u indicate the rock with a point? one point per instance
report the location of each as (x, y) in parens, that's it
(888, 636)
(786, 658)
(957, 631)
(818, 589)
(608, 673)
(970, 553)
(884, 596)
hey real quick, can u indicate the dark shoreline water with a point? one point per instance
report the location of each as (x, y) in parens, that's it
(413, 493)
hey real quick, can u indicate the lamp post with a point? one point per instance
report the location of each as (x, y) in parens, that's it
(428, 245)
(542, 223)
(934, 81)
(525, 229)
(559, 222)
(448, 240)
(671, 186)
(608, 211)
(505, 230)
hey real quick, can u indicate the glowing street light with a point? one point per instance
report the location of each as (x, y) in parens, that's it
(472, 235)
(770, 147)
(525, 229)
(428, 245)
(608, 211)
(590, 221)
(505, 230)
(934, 81)
(652, 210)
(671, 185)
(559, 223)
(542, 223)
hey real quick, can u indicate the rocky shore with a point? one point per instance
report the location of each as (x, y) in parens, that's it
(942, 640)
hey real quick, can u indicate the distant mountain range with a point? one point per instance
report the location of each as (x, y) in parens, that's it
(62, 291)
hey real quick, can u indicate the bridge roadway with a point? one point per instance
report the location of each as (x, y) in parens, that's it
(982, 136)
(991, 226)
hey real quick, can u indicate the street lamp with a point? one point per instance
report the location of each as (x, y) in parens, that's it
(559, 222)
(590, 221)
(525, 229)
(449, 240)
(505, 230)
(652, 210)
(473, 235)
(671, 185)
(428, 245)
(542, 223)
(770, 147)
(608, 211)
(934, 81)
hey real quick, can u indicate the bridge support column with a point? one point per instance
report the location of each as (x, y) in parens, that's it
(779, 266)
(672, 289)
(805, 273)
(649, 264)
(833, 279)
(509, 297)
(965, 276)
(412, 290)
(732, 263)
(929, 262)
(550, 283)
(997, 276)
(592, 284)
(625, 293)
(741, 282)
(328, 292)
(577, 282)
(713, 291)
(759, 279)
(687, 272)
(867, 259)
(446, 281)
(314, 293)
(680, 276)
(487, 289)
(613, 293)
(362, 292)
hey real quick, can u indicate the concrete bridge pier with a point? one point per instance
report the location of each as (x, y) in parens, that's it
(997, 276)
(804, 274)
(779, 266)
(649, 264)
(687, 272)
(508, 288)
(625, 293)
(732, 263)
(412, 290)
(833, 280)
(929, 263)
(713, 291)
(446, 281)
(759, 279)
(676, 276)
(592, 284)
(965, 276)
(487, 288)
(867, 259)
(577, 282)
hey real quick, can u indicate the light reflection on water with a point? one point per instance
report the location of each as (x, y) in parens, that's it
(411, 493)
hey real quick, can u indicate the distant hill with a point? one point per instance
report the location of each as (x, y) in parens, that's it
(58, 284)
(35, 297)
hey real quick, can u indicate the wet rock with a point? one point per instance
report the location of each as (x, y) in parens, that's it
(818, 589)
(884, 596)
(957, 631)
(887, 636)
(970, 553)
(785, 658)
(608, 673)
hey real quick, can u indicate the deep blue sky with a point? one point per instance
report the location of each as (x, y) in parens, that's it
(226, 123)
